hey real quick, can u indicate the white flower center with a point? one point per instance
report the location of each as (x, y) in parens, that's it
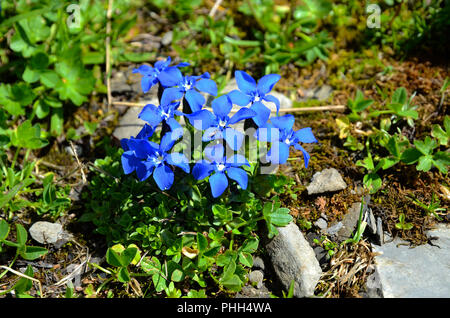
(287, 141)
(187, 87)
(222, 123)
(220, 167)
(257, 98)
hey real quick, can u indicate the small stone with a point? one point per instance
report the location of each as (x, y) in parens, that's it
(49, 233)
(294, 259)
(349, 222)
(256, 278)
(78, 150)
(167, 38)
(334, 229)
(252, 292)
(323, 92)
(258, 263)
(327, 180)
(321, 224)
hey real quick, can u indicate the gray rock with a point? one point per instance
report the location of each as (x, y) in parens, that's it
(49, 233)
(294, 259)
(323, 92)
(371, 222)
(119, 83)
(321, 224)
(256, 278)
(167, 38)
(334, 229)
(252, 292)
(422, 271)
(327, 180)
(373, 288)
(380, 231)
(258, 263)
(349, 222)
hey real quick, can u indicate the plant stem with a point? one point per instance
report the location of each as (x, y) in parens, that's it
(15, 157)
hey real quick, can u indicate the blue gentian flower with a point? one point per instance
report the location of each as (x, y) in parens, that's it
(251, 92)
(165, 112)
(147, 158)
(217, 168)
(280, 133)
(189, 86)
(145, 133)
(217, 124)
(151, 75)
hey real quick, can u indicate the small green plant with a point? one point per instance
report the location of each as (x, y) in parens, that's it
(25, 251)
(402, 225)
(329, 246)
(434, 207)
(358, 105)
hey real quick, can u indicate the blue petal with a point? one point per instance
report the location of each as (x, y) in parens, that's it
(274, 100)
(239, 98)
(124, 144)
(167, 141)
(285, 122)
(233, 138)
(215, 152)
(238, 175)
(144, 170)
(305, 135)
(237, 161)
(146, 132)
(163, 177)
(151, 114)
(202, 119)
(142, 148)
(147, 82)
(175, 127)
(129, 162)
(245, 82)
(243, 113)
(182, 64)
(212, 133)
(219, 183)
(278, 153)
(195, 100)
(171, 94)
(262, 113)
(179, 160)
(171, 76)
(306, 155)
(143, 69)
(202, 169)
(222, 106)
(268, 133)
(266, 83)
(207, 86)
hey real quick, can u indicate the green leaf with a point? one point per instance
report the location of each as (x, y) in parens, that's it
(4, 230)
(57, 121)
(438, 133)
(123, 276)
(90, 127)
(113, 258)
(410, 156)
(246, 259)
(426, 146)
(281, 217)
(33, 252)
(50, 79)
(128, 255)
(400, 96)
(232, 283)
(202, 243)
(425, 163)
(27, 136)
(5, 198)
(24, 284)
(22, 235)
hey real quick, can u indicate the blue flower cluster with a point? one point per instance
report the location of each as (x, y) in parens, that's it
(148, 158)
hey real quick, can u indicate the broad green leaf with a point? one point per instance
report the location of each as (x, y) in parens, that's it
(113, 258)
(33, 252)
(410, 156)
(400, 96)
(25, 284)
(202, 243)
(22, 235)
(128, 255)
(425, 163)
(5, 198)
(246, 259)
(123, 276)
(4, 230)
(438, 133)
(281, 217)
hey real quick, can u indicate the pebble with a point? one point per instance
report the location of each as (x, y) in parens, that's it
(327, 180)
(48, 233)
(256, 278)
